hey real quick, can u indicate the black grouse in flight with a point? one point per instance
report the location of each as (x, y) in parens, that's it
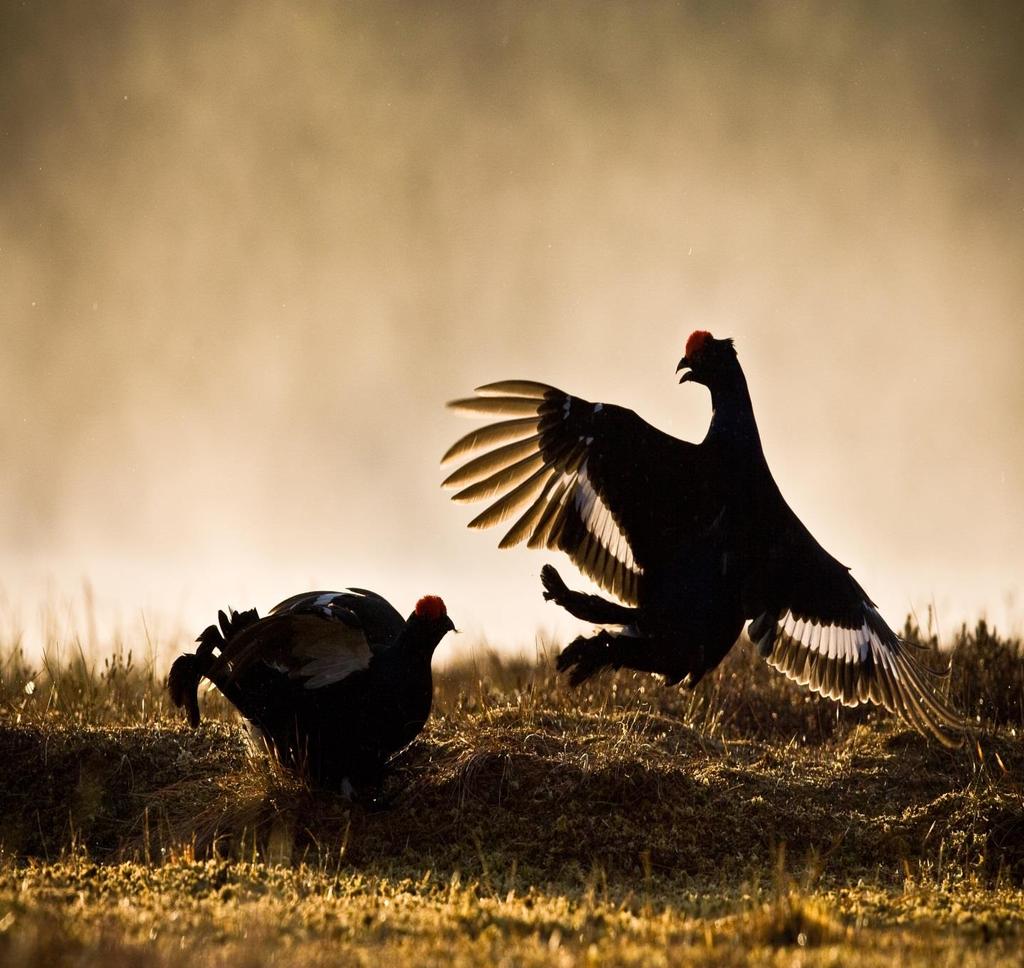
(695, 539)
(336, 682)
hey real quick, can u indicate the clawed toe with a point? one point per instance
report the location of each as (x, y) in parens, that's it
(582, 657)
(555, 589)
(580, 675)
(568, 657)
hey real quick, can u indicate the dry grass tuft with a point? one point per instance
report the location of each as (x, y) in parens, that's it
(528, 824)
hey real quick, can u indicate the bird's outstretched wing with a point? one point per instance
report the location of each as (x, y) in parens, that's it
(590, 479)
(814, 623)
(317, 647)
(375, 615)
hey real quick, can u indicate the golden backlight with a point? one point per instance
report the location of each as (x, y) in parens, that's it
(247, 252)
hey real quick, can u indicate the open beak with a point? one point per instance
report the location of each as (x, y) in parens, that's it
(684, 365)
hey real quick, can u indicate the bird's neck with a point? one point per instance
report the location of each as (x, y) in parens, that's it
(732, 413)
(414, 646)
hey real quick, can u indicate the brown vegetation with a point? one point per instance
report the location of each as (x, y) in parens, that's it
(626, 822)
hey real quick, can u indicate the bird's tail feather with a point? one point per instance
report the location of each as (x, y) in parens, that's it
(183, 685)
(187, 670)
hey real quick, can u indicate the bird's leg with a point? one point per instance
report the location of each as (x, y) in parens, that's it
(368, 795)
(371, 788)
(374, 801)
(588, 608)
(585, 656)
(346, 790)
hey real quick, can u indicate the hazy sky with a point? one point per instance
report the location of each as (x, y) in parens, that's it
(247, 251)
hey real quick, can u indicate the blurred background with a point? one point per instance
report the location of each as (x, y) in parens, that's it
(247, 252)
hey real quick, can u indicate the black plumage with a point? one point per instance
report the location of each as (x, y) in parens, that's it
(696, 539)
(335, 682)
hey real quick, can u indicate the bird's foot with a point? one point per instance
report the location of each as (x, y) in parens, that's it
(381, 802)
(346, 789)
(368, 794)
(584, 656)
(555, 590)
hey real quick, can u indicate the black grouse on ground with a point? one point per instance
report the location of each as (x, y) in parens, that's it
(335, 682)
(696, 539)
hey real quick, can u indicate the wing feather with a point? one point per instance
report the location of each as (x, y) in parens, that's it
(530, 518)
(519, 388)
(542, 533)
(579, 477)
(497, 433)
(502, 479)
(313, 647)
(486, 464)
(517, 406)
(379, 620)
(508, 504)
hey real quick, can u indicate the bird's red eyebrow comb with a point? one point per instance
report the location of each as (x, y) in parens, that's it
(696, 341)
(430, 607)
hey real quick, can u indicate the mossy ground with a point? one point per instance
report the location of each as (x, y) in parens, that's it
(530, 824)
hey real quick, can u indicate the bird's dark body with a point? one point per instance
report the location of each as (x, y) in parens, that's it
(335, 724)
(712, 537)
(691, 612)
(699, 537)
(347, 730)
(695, 538)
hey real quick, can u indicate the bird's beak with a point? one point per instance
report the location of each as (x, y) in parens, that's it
(684, 365)
(451, 626)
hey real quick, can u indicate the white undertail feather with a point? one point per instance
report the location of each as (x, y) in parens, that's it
(869, 663)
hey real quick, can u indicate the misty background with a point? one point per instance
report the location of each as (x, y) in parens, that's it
(247, 252)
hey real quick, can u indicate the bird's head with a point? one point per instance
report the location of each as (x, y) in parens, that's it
(706, 358)
(431, 616)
